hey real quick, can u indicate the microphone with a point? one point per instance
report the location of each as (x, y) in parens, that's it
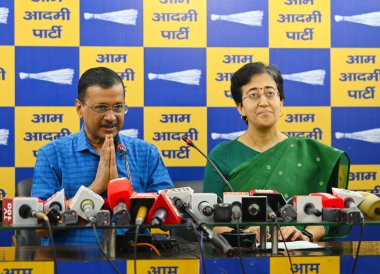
(141, 214)
(70, 217)
(25, 211)
(189, 142)
(54, 206)
(140, 202)
(119, 193)
(11, 211)
(163, 212)
(351, 201)
(270, 213)
(275, 201)
(181, 192)
(123, 151)
(288, 213)
(1, 204)
(348, 196)
(216, 239)
(329, 200)
(254, 209)
(202, 205)
(308, 208)
(86, 203)
(370, 206)
(235, 199)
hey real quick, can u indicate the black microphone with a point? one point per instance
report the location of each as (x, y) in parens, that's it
(270, 213)
(25, 211)
(159, 216)
(123, 151)
(217, 240)
(54, 213)
(310, 209)
(189, 142)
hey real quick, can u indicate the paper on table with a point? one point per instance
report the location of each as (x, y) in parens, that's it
(295, 245)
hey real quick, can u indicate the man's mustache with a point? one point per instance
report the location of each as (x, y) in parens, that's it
(109, 124)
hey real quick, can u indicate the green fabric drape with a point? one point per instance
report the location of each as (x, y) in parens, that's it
(295, 166)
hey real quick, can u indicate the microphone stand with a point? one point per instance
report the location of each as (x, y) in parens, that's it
(189, 142)
(217, 240)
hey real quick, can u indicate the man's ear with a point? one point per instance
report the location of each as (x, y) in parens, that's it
(78, 107)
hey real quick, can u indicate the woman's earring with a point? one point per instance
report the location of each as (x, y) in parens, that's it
(244, 118)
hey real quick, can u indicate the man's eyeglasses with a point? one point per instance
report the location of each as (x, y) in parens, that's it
(118, 109)
(269, 94)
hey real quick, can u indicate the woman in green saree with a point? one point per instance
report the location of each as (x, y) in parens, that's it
(265, 158)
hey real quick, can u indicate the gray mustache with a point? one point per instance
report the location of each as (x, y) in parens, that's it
(109, 124)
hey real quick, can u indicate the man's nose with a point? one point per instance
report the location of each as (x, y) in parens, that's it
(110, 116)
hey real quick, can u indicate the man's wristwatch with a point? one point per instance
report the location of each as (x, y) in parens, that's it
(308, 234)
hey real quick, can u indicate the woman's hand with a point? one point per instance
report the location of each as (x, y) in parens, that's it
(256, 230)
(291, 233)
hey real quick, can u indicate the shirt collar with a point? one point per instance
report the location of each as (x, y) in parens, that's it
(83, 143)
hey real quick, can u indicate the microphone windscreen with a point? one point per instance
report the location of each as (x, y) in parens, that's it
(370, 206)
(118, 190)
(172, 214)
(82, 197)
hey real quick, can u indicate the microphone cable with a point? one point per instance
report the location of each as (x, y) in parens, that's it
(239, 246)
(358, 248)
(101, 248)
(121, 149)
(286, 248)
(53, 250)
(189, 142)
(135, 248)
(26, 210)
(200, 241)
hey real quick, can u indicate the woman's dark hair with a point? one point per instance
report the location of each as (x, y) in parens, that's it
(100, 76)
(243, 76)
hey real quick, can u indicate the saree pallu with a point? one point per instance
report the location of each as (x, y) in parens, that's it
(295, 166)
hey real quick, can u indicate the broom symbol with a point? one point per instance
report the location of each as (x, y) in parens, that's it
(249, 18)
(60, 76)
(124, 17)
(3, 15)
(131, 132)
(4, 133)
(187, 77)
(370, 19)
(227, 136)
(312, 77)
(370, 135)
